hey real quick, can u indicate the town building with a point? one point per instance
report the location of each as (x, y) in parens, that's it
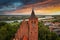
(55, 27)
(28, 29)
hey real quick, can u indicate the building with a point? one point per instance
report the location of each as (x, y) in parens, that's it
(28, 29)
(55, 27)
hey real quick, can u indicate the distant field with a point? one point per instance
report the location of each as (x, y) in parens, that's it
(19, 17)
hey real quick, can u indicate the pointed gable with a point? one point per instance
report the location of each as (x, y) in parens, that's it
(32, 14)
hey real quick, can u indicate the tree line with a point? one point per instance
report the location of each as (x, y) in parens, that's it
(8, 30)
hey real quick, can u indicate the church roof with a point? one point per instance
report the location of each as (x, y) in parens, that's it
(32, 14)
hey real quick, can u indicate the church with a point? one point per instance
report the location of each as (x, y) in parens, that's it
(28, 29)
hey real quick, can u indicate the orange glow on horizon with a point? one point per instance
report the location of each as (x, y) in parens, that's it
(44, 10)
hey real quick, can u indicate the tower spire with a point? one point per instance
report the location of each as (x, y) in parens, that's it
(32, 14)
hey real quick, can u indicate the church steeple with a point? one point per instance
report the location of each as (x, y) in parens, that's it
(33, 26)
(28, 29)
(32, 14)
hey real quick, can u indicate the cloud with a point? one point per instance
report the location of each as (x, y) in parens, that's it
(13, 6)
(23, 6)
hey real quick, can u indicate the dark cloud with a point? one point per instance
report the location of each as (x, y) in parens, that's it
(7, 2)
(45, 3)
(8, 5)
(31, 1)
(13, 4)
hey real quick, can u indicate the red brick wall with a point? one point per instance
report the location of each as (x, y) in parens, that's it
(23, 30)
(28, 30)
(33, 29)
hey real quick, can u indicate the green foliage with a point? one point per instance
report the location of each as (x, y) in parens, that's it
(45, 34)
(8, 30)
(57, 20)
(2, 23)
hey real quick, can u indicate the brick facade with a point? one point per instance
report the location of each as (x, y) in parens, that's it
(28, 29)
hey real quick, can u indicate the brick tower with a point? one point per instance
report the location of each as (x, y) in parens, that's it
(28, 29)
(33, 27)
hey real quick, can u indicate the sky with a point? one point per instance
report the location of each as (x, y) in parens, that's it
(24, 7)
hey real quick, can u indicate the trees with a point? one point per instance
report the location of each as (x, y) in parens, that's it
(3, 33)
(8, 30)
(57, 20)
(2, 23)
(45, 34)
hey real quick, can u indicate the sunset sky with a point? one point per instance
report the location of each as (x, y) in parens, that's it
(24, 7)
